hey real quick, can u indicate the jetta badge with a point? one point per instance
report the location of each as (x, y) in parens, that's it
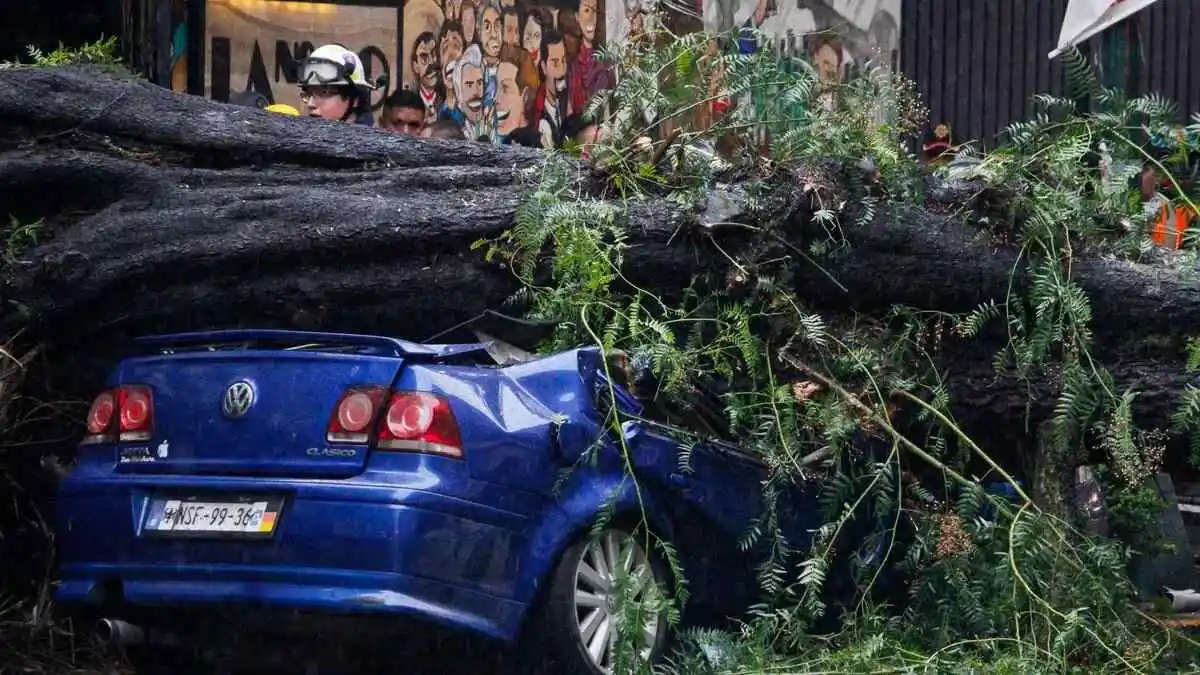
(238, 399)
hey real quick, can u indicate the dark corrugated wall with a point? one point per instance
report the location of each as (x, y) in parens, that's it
(978, 63)
(1171, 37)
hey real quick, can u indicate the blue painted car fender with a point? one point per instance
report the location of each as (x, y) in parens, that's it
(583, 497)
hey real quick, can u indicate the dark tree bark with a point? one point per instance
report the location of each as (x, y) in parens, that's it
(168, 212)
(990, 398)
(936, 262)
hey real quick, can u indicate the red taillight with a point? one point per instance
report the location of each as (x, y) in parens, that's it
(352, 418)
(136, 406)
(100, 417)
(413, 421)
(122, 414)
(420, 422)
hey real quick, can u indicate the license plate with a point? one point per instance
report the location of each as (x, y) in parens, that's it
(248, 516)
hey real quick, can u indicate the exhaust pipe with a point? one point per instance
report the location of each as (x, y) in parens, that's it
(120, 633)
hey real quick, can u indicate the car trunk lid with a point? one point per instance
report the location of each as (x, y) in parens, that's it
(257, 403)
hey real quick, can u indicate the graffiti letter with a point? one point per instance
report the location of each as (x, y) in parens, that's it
(285, 62)
(257, 79)
(368, 56)
(221, 67)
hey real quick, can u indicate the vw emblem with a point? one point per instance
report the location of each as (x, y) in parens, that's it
(238, 399)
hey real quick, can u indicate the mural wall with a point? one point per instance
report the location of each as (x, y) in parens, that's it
(179, 45)
(255, 44)
(496, 66)
(836, 36)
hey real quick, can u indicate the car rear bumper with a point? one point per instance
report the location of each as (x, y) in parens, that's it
(319, 590)
(366, 548)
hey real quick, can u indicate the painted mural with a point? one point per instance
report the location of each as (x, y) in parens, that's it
(491, 68)
(498, 66)
(254, 45)
(179, 45)
(835, 35)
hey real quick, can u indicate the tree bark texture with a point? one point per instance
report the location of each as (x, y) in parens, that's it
(170, 212)
(936, 262)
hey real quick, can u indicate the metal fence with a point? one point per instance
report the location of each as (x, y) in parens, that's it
(978, 63)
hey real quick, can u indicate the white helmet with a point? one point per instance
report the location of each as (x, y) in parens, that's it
(333, 65)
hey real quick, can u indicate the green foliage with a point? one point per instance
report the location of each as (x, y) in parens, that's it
(992, 587)
(1134, 514)
(666, 82)
(1186, 419)
(1068, 184)
(18, 237)
(103, 52)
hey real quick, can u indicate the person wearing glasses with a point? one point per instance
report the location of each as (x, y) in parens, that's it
(334, 86)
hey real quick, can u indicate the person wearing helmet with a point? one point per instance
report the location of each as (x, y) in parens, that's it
(282, 109)
(333, 85)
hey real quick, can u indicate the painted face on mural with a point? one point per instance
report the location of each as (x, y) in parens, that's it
(430, 79)
(763, 10)
(489, 32)
(828, 64)
(451, 47)
(587, 20)
(472, 92)
(555, 67)
(432, 75)
(532, 39)
(453, 10)
(510, 98)
(468, 21)
(512, 31)
(637, 23)
(422, 58)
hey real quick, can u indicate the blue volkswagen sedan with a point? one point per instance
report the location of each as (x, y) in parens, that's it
(355, 476)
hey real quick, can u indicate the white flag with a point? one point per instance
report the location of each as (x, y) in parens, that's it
(1085, 18)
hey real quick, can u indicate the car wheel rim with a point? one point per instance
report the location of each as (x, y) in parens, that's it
(595, 594)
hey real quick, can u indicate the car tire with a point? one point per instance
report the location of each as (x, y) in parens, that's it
(575, 614)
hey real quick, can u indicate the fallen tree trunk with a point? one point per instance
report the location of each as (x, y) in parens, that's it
(975, 386)
(935, 262)
(204, 183)
(168, 212)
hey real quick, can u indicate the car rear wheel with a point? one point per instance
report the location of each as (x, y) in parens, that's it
(580, 616)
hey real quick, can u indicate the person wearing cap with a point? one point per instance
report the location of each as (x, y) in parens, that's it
(334, 86)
